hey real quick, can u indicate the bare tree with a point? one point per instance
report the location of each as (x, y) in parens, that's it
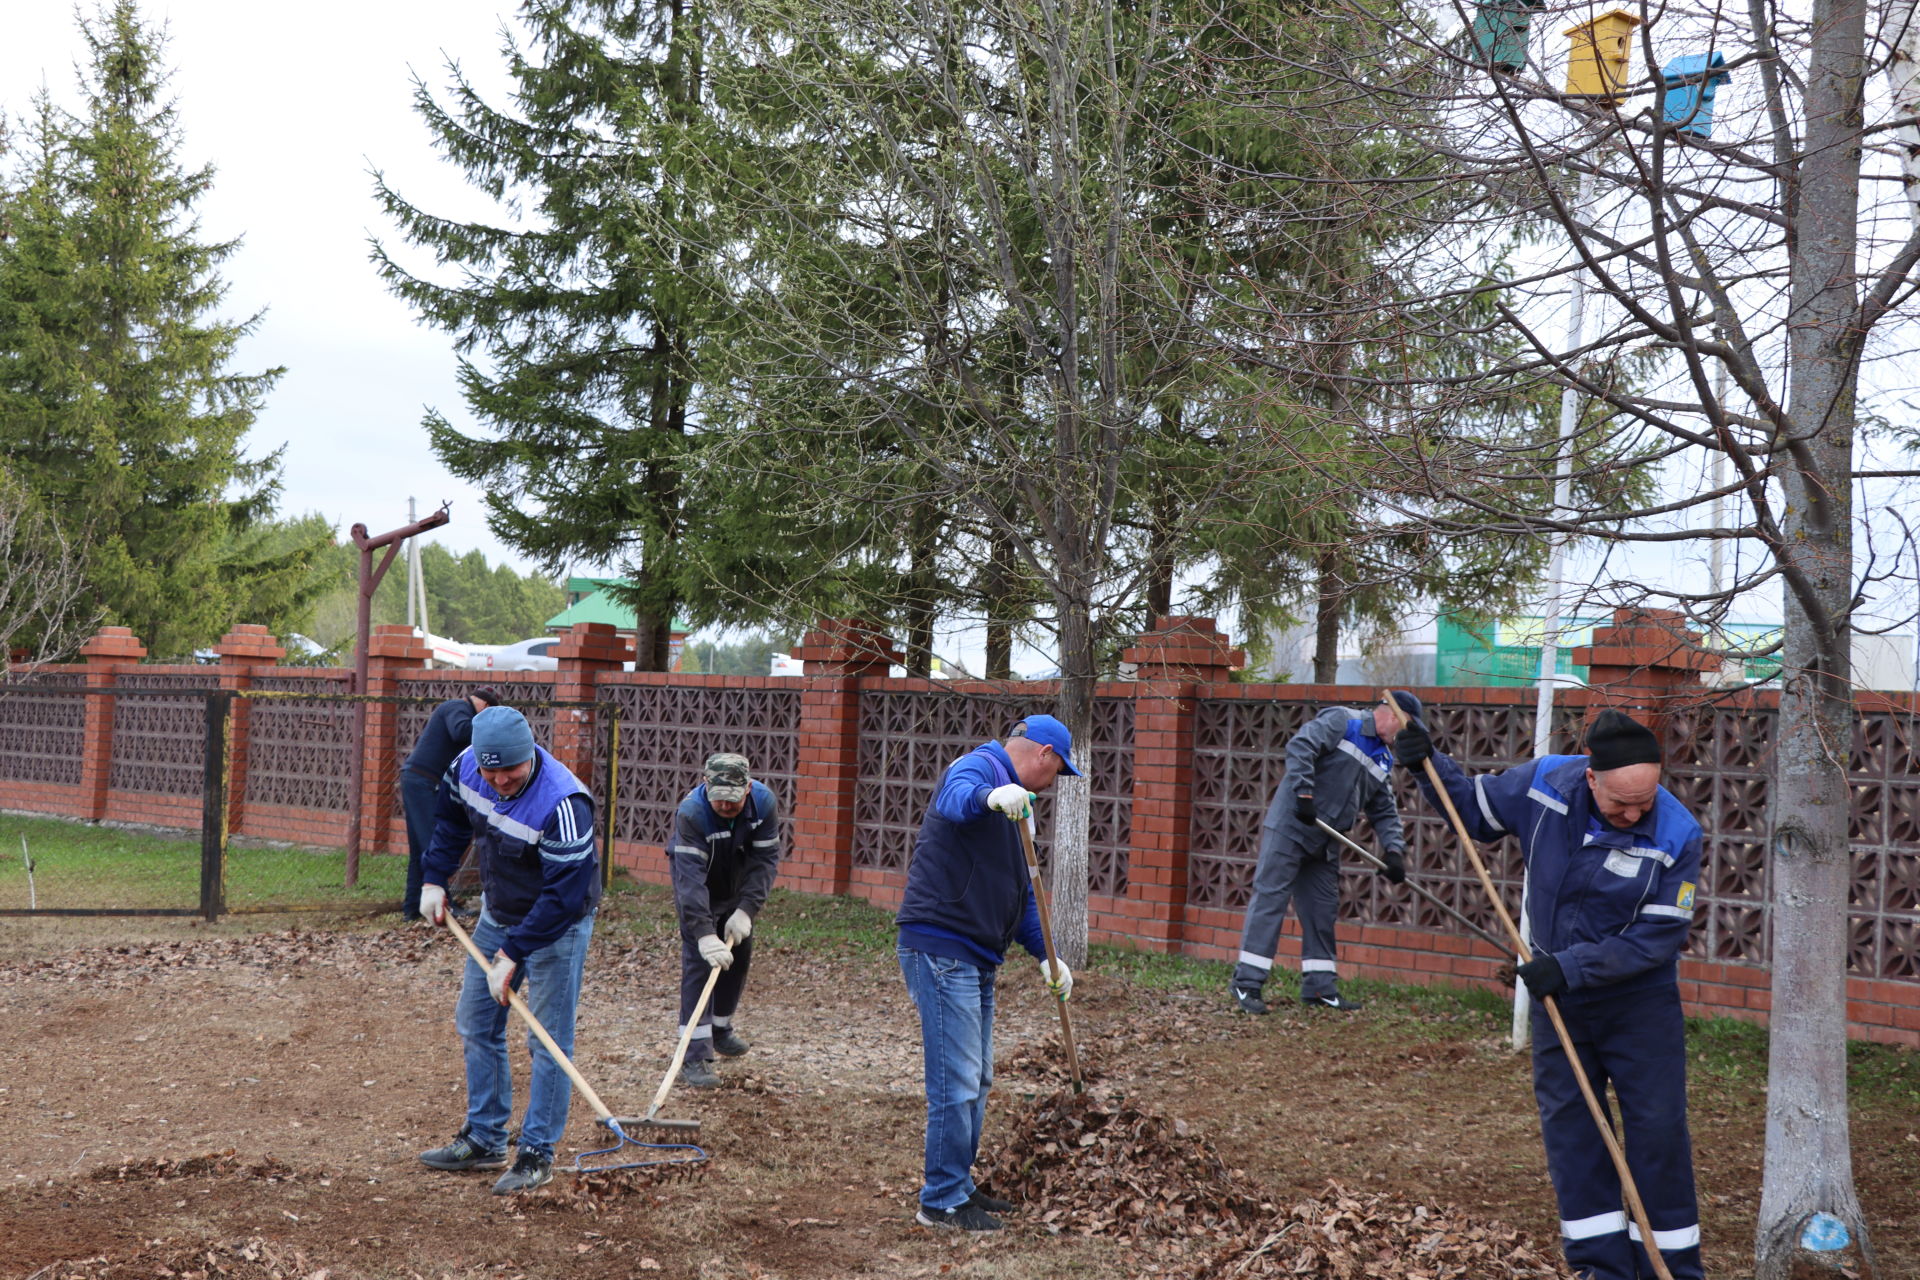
(1745, 242)
(43, 607)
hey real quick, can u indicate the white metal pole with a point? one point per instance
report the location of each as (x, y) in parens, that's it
(1556, 572)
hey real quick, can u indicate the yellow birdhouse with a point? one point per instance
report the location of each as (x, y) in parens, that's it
(1597, 63)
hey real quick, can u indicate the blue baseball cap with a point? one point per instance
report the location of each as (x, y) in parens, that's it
(1049, 732)
(501, 738)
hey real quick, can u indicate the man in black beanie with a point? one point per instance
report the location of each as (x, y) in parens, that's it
(1612, 862)
(1338, 767)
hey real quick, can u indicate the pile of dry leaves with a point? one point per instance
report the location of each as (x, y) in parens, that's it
(212, 1164)
(293, 951)
(1094, 1165)
(1347, 1236)
(1091, 1164)
(249, 1259)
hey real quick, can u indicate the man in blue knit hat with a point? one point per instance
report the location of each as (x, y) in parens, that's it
(530, 823)
(1612, 859)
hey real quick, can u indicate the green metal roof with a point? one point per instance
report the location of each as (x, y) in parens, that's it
(601, 607)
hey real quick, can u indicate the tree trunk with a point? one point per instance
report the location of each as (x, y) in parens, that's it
(1000, 610)
(919, 609)
(1069, 868)
(1330, 595)
(1808, 1173)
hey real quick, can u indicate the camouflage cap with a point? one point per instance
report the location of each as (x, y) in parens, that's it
(727, 776)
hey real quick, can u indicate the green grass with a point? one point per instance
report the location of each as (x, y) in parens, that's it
(78, 865)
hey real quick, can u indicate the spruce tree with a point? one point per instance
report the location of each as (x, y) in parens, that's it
(585, 311)
(117, 407)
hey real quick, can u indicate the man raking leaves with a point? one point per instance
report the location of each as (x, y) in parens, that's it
(1612, 862)
(530, 822)
(968, 897)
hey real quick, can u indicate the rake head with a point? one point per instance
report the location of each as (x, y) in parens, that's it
(629, 1152)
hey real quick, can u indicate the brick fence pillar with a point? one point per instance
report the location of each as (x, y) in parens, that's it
(1646, 664)
(588, 651)
(838, 654)
(391, 650)
(246, 653)
(1172, 663)
(104, 653)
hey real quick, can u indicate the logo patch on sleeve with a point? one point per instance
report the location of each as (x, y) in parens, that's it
(1685, 898)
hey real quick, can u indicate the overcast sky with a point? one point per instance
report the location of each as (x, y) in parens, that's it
(294, 105)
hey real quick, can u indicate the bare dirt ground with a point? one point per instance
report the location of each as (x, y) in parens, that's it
(240, 1102)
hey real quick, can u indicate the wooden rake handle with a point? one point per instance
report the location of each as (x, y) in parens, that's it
(1552, 1006)
(1046, 938)
(686, 1038)
(533, 1023)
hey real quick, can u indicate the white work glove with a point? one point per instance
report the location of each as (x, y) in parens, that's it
(500, 976)
(739, 928)
(1062, 988)
(433, 903)
(715, 952)
(1013, 800)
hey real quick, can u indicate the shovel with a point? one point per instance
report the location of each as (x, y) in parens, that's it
(607, 1118)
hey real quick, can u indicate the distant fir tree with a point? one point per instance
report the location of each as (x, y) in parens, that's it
(117, 407)
(579, 324)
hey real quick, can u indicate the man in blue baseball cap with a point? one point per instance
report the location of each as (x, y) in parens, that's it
(530, 823)
(968, 897)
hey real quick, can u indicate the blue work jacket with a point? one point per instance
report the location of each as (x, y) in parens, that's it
(1612, 905)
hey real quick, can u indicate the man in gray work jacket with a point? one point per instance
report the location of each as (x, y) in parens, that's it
(726, 852)
(1338, 765)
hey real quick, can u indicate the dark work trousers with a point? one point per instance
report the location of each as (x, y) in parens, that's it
(1311, 881)
(726, 992)
(417, 795)
(1637, 1041)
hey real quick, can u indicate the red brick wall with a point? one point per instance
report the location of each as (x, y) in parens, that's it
(1155, 911)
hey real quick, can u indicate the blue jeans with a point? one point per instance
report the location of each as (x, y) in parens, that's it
(955, 999)
(551, 987)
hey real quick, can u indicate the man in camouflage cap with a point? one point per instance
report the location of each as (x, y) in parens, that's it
(725, 853)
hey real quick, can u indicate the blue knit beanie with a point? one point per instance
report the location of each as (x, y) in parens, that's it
(501, 738)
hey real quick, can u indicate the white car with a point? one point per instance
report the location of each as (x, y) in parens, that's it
(528, 655)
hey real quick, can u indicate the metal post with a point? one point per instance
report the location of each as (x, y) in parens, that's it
(363, 627)
(1556, 571)
(213, 817)
(613, 793)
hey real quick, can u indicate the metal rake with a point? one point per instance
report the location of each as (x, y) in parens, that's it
(688, 1153)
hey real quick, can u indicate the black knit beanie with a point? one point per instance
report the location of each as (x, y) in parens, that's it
(1617, 740)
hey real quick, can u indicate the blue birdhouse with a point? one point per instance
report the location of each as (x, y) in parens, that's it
(1690, 83)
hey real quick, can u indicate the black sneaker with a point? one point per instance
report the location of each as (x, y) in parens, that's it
(992, 1204)
(463, 1153)
(699, 1075)
(530, 1169)
(727, 1044)
(966, 1217)
(1341, 1003)
(1248, 999)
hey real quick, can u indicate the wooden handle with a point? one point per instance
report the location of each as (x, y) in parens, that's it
(1552, 1006)
(686, 1038)
(520, 1007)
(1046, 939)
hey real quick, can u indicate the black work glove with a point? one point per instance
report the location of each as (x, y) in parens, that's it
(1543, 976)
(1412, 745)
(1396, 869)
(1303, 809)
